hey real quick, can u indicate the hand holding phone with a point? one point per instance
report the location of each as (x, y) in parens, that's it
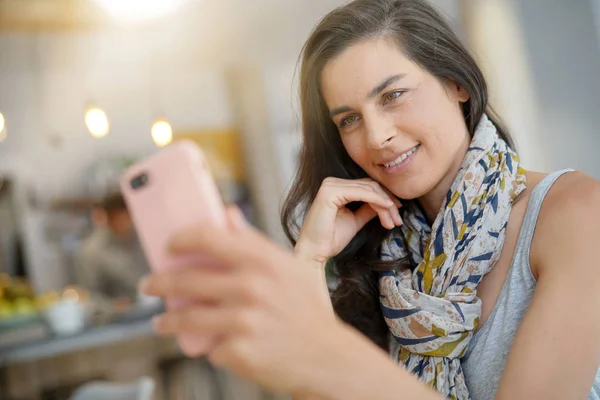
(167, 193)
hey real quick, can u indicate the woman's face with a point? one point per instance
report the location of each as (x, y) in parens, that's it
(398, 122)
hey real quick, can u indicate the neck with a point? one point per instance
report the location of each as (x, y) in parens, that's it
(433, 200)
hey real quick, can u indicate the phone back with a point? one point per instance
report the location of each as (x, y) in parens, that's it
(166, 193)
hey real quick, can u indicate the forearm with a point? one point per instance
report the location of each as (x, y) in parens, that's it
(359, 370)
(317, 266)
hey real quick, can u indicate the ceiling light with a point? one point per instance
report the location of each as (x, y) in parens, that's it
(162, 134)
(139, 10)
(96, 122)
(2, 128)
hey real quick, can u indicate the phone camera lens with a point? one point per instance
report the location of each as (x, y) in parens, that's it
(139, 181)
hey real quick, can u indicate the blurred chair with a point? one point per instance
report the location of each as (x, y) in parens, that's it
(142, 389)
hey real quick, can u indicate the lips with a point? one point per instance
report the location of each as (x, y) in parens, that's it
(399, 157)
(401, 162)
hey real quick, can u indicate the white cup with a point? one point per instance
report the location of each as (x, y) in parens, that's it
(66, 317)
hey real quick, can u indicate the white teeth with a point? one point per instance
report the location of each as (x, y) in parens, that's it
(401, 158)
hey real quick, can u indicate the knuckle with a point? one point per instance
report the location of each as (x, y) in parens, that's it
(327, 185)
(329, 181)
(371, 188)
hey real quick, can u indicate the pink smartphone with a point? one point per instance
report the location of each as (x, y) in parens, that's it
(165, 193)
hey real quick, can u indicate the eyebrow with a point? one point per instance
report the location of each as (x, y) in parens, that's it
(374, 93)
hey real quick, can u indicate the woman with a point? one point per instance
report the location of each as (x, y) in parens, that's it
(443, 243)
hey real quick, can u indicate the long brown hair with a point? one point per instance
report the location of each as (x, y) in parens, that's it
(421, 33)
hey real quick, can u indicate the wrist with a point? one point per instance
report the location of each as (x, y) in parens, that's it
(303, 252)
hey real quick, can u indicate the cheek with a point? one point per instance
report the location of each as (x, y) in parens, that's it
(355, 149)
(438, 121)
(441, 146)
(431, 107)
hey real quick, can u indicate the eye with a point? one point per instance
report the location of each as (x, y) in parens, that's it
(349, 120)
(392, 96)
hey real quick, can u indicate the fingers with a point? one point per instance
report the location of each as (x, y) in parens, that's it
(228, 247)
(393, 210)
(191, 282)
(199, 320)
(340, 192)
(364, 214)
(201, 284)
(232, 246)
(185, 240)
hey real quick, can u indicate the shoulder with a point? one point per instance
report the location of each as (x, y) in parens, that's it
(569, 221)
(574, 199)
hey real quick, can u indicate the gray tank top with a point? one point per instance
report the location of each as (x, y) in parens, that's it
(485, 358)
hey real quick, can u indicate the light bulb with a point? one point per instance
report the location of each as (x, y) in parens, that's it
(162, 134)
(139, 10)
(97, 122)
(2, 128)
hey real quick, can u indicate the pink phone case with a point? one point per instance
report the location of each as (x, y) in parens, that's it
(165, 193)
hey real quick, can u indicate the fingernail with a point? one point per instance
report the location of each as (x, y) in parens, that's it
(391, 222)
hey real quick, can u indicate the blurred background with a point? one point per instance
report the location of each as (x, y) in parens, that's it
(88, 87)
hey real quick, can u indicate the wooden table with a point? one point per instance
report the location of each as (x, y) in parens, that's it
(101, 340)
(59, 345)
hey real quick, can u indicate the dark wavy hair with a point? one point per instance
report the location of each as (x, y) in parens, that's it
(422, 35)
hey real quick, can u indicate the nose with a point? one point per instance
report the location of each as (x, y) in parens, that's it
(379, 131)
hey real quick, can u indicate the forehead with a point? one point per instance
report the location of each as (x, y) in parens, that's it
(361, 67)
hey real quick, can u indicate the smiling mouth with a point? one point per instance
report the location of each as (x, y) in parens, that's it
(401, 158)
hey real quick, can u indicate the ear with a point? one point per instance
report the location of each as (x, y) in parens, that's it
(461, 94)
(456, 91)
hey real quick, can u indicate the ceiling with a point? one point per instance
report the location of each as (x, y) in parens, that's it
(49, 15)
(65, 15)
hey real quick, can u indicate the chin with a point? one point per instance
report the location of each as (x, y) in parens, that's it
(409, 189)
(409, 195)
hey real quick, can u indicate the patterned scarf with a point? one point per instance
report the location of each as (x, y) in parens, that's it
(433, 310)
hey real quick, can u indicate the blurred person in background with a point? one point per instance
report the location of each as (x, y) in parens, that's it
(111, 261)
(479, 278)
